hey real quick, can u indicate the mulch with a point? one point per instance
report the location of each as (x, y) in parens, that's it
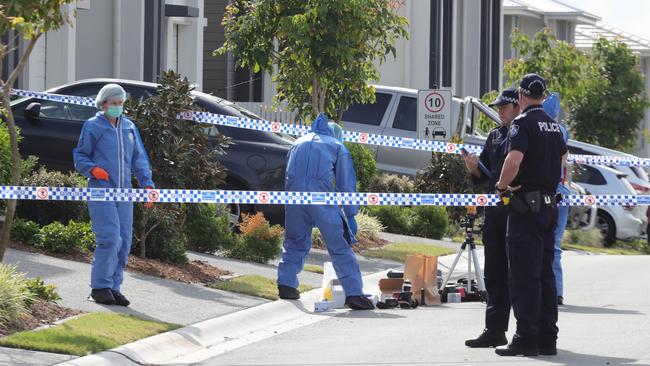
(193, 272)
(41, 313)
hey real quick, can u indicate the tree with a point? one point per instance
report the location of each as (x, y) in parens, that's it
(566, 70)
(182, 156)
(29, 19)
(601, 91)
(609, 112)
(324, 50)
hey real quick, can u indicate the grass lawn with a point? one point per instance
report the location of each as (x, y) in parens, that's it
(313, 268)
(90, 333)
(399, 251)
(601, 250)
(254, 285)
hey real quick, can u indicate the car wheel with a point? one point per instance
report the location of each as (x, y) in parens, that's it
(237, 210)
(605, 224)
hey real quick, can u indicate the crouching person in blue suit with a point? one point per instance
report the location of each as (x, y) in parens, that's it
(108, 152)
(316, 161)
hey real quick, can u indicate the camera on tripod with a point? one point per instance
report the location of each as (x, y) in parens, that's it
(473, 289)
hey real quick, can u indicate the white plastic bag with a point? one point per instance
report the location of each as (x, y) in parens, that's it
(328, 275)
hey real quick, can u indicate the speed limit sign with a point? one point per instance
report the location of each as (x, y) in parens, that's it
(434, 114)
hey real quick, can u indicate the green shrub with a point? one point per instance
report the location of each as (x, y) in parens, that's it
(207, 227)
(446, 173)
(182, 156)
(166, 241)
(369, 227)
(5, 157)
(365, 165)
(430, 221)
(83, 234)
(14, 296)
(24, 230)
(392, 183)
(259, 241)
(40, 290)
(454, 229)
(591, 237)
(60, 238)
(395, 219)
(46, 212)
(55, 237)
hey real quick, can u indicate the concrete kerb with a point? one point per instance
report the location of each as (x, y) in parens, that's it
(213, 337)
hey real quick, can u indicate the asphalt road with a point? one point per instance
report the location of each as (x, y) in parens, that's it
(605, 322)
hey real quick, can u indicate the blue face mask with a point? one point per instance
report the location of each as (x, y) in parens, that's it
(114, 111)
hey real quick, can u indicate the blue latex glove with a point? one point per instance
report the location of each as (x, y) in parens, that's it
(352, 223)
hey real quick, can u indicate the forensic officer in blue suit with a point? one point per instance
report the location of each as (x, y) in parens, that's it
(487, 167)
(319, 162)
(108, 152)
(551, 106)
(531, 173)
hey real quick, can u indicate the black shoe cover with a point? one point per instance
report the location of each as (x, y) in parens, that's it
(120, 299)
(359, 303)
(288, 293)
(103, 296)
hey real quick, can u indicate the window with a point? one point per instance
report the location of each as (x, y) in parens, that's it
(368, 114)
(91, 91)
(60, 110)
(590, 175)
(406, 115)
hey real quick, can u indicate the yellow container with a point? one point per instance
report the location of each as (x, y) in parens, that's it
(327, 294)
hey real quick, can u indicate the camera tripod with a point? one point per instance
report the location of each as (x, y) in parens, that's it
(472, 258)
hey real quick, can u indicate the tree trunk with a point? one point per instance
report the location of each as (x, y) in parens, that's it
(314, 95)
(13, 142)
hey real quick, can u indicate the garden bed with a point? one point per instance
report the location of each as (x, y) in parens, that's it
(41, 313)
(193, 272)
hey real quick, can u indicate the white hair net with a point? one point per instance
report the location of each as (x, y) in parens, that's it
(109, 92)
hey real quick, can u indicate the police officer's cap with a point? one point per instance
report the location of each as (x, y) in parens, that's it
(508, 95)
(532, 85)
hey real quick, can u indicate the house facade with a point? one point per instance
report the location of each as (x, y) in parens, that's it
(130, 39)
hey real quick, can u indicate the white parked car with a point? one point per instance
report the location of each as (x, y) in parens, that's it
(637, 176)
(614, 222)
(581, 217)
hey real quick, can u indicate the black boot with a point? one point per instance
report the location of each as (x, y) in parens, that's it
(359, 303)
(547, 348)
(103, 296)
(288, 293)
(515, 349)
(489, 338)
(120, 299)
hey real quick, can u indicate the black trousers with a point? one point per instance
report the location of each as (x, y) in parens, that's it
(530, 246)
(495, 272)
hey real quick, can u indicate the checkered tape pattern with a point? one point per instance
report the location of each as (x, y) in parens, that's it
(290, 198)
(348, 136)
(608, 160)
(55, 97)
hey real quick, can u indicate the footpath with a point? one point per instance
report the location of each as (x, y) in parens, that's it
(165, 300)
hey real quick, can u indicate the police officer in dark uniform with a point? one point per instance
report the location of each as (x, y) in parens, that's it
(531, 173)
(487, 167)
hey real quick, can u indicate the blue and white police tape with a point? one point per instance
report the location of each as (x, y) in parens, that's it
(288, 198)
(349, 136)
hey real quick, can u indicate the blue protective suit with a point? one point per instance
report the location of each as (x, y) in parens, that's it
(120, 152)
(551, 106)
(316, 161)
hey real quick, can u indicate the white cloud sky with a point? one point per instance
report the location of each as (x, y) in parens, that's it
(631, 16)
